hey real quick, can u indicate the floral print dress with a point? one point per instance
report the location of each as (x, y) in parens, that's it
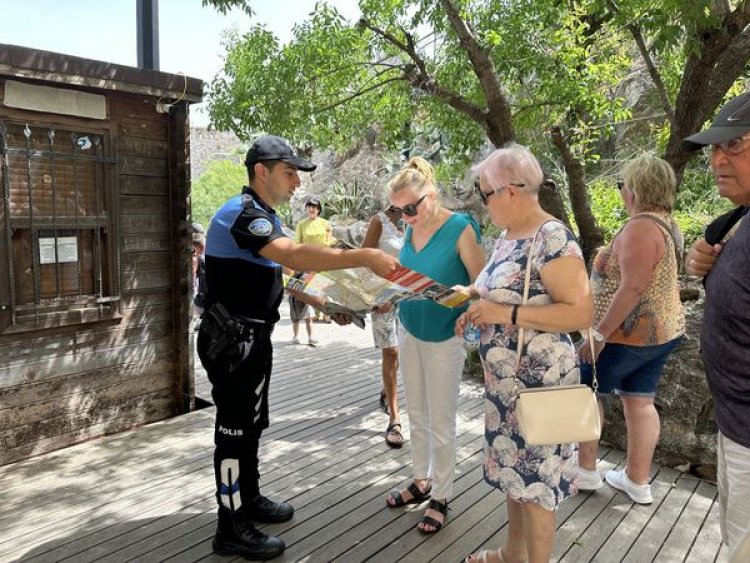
(543, 475)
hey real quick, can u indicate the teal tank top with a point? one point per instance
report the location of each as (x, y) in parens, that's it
(439, 259)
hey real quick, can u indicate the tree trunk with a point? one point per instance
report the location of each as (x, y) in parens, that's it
(590, 234)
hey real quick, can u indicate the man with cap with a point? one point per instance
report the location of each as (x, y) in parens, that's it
(723, 256)
(245, 251)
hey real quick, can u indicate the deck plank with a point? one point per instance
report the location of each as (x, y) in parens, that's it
(147, 494)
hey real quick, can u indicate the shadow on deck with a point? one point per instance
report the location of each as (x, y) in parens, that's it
(147, 495)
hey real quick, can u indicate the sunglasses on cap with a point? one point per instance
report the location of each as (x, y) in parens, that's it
(409, 210)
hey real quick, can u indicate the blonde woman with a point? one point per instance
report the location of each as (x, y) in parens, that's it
(535, 479)
(444, 246)
(639, 320)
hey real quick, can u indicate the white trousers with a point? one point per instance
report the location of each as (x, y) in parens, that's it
(431, 373)
(733, 480)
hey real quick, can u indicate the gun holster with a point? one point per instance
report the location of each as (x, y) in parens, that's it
(222, 329)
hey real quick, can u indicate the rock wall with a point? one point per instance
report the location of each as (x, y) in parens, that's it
(208, 145)
(684, 403)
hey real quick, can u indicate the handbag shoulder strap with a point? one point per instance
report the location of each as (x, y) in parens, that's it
(521, 330)
(525, 297)
(667, 228)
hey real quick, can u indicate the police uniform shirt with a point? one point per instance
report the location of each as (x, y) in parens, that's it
(237, 276)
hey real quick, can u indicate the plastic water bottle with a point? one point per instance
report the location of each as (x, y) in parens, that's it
(472, 334)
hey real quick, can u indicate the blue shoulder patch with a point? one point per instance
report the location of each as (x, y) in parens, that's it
(260, 227)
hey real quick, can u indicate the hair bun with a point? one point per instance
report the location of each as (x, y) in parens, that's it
(422, 166)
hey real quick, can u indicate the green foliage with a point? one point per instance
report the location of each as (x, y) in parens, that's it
(221, 180)
(698, 201)
(607, 207)
(696, 205)
(349, 202)
(223, 6)
(403, 69)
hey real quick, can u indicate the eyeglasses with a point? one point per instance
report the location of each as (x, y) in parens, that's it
(484, 196)
(731, 147)
(394, 210)
(620, 184)
(410, 210)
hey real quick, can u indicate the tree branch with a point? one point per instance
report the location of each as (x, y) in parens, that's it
(420, 78)
(661, 90)
(358, 93)
(484, 68)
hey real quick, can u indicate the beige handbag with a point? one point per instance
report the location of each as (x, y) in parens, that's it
(558, 414)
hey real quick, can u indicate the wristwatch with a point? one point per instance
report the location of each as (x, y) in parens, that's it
(598, 336)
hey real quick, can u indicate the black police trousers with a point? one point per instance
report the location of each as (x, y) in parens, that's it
(239, 376)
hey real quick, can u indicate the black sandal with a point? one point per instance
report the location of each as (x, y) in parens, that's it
(383, 404)
(417, 496)
(442, 508)
(393, 436)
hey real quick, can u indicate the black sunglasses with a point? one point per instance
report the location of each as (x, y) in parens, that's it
(409, 210)
(620, 184)
(486, 196)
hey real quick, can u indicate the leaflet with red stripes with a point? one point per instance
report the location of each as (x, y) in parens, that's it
(359, 289)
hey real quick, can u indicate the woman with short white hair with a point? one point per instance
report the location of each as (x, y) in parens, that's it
(535, 479)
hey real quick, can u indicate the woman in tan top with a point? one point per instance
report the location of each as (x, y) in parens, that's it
(638, 320)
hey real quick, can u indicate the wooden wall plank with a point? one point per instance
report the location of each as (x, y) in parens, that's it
(81, 382)
(138, 166)
(145, 128)
(139, 411)
(144, 148)
(133, 279)
(12, 375)
(154, 241)
(91, 402)
(144, 224)
(140, 204)
(19, 351)
(134, 106)
(146, 260)
(141, 185)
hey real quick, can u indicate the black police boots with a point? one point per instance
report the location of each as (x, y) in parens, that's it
(236, 535)
(262, 509)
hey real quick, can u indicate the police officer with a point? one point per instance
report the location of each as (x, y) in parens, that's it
(245, 250)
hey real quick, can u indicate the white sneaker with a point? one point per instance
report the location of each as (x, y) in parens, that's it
(589, 480)
(312, 342)
(295, 340)
(619, 479)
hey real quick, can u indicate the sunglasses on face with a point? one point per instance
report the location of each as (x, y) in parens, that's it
(394, 210)
(731, 147)
(410, 210)
(485, 196)
(620, 184)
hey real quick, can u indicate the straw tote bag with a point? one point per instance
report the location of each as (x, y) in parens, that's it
(559, 414)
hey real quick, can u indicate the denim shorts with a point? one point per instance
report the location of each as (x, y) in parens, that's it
(629, 370)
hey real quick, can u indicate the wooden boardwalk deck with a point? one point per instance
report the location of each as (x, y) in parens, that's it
(147, 495)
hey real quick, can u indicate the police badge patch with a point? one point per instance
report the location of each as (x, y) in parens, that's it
(260, 227)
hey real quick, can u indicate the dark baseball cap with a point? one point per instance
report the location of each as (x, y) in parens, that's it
(732, 121)
(270, 147)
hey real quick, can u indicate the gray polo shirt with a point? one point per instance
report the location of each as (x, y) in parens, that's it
(725, 336)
